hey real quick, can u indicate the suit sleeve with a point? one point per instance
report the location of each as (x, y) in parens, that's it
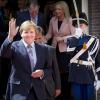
(55, 69)
(47, 70)
(6, 49)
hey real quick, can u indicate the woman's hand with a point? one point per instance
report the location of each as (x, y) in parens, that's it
(59, 39)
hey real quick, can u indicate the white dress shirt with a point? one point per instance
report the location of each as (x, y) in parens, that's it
(33, 50)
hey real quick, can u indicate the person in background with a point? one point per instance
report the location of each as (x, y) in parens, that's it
(49, 11)
(3, 17)
(39, 38)
(4, 67)
(22, 6)
(30, 63)
(59, 27)
(84, 61)
(32, 14)
(1, 90)
(52, 82)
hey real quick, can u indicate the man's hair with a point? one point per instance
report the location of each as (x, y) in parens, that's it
(26, 25)
(34, 2)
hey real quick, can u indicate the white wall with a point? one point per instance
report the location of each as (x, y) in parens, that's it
(85, 7)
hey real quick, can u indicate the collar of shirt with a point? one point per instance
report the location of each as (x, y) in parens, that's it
(33, 45)
(33, 50)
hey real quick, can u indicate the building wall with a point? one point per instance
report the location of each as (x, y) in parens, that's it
(85, 7)
(92, 9)
(94, 17)
(94, 22)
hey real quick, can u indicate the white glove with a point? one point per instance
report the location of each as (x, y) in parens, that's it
(78, 32)
(97, 85)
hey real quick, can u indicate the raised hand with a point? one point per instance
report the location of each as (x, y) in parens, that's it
(12, 29)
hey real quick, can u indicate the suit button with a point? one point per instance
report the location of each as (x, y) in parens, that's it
(77, 65)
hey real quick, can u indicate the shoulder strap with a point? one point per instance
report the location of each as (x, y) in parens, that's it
(82, 50)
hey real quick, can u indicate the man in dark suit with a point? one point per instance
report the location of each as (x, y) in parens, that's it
(52, 82)
(32, 14)
(29, 63)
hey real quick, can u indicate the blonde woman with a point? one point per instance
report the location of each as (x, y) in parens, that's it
(59, 27)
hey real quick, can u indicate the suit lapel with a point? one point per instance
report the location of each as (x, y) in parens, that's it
(38, 54)
(26, 57)
(61, 27)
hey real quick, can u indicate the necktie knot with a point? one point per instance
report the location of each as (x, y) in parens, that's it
(30, 50)
(29, 46)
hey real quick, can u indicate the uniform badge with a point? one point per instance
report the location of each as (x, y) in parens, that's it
(84, 45)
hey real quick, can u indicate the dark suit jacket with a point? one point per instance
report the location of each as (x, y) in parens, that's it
(20, 81)
(53, 81)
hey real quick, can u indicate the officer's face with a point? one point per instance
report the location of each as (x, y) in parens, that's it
(83, 26)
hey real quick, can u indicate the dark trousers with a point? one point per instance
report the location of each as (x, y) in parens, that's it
(82, 91)
(65, 88)
(32, 95)
(4, 75)
(63, 61)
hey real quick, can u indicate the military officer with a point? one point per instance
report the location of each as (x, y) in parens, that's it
(84, 66)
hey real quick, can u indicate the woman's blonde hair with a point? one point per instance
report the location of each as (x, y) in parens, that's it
(26, 25)
(64, 7)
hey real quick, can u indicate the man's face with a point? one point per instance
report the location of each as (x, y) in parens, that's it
(21, 4)
(3, 3)
(33, 9)
(38, 38)
(28, 35)
(83, 26)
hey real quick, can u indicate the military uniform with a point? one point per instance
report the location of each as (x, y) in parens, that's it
(83, 51)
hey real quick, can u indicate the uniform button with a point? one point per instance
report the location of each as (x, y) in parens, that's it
(77, 65)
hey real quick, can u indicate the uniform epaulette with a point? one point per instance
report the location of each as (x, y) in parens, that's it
(93, 36)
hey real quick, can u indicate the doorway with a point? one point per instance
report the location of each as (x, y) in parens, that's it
(69, 2)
